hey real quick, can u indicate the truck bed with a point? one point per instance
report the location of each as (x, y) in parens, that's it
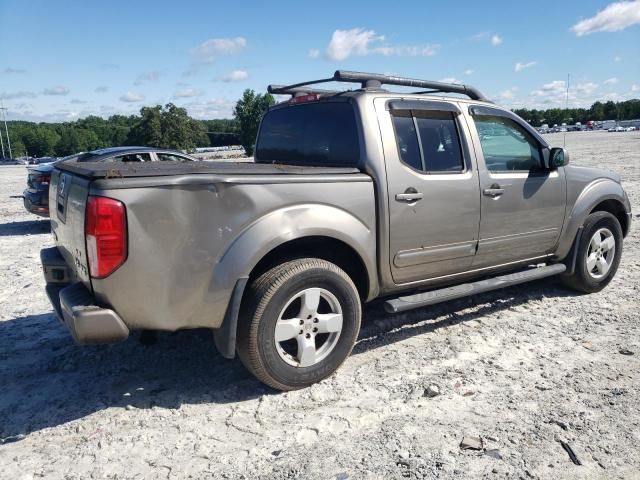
(99, 170)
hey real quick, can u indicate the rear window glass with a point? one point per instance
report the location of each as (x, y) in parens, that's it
(309, 134)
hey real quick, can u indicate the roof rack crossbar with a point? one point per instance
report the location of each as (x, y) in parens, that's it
(363, 78)
(376, 80)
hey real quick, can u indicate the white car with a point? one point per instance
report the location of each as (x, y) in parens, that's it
(630, 129)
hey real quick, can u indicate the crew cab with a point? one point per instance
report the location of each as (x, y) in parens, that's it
(415, 197)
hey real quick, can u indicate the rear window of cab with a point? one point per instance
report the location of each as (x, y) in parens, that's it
(319, 134)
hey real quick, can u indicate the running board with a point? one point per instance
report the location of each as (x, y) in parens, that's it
(410, 302)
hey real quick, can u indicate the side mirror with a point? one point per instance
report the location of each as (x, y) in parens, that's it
(558, 157)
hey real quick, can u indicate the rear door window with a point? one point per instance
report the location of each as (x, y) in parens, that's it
(169, 157)
(323, 133)
(428, 141)
(133, 157)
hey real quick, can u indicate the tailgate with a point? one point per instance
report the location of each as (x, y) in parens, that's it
(67, 201)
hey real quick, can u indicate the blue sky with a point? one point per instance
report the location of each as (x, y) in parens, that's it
(61, 60)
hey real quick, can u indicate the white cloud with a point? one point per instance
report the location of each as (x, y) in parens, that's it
(468, 71)
(617, 58)
(132, 97)
(210, 50)
(345, 43)
(521, 66)
(585, 88)
(635, 88)
(76, 101)
(16, 95)
(314, 53)
(496, 40)
(101, 89)
(508, 94)
(187, 93)
(57, 90)
(146, 77)
(236, 76)
(611, 81)
(615, 17)
(14, 70)
(360, 42)
(213, 108)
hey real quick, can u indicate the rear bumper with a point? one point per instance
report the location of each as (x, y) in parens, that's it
(36, 202)
(75, 305)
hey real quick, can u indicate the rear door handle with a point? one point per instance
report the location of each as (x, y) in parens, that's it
(493, 191)
(410, 195)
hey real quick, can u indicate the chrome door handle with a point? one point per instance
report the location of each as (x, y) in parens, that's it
(409, 196)
(493, 191)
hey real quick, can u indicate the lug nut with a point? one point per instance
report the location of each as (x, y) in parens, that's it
(301, 322)
(308, 335)
(315, 320)
(301, 332)
(315, 329)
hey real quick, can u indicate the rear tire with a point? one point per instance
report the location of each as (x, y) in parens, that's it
(598, 256)
(298, 322)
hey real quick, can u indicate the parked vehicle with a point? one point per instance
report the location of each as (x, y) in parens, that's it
(36, 196)
(354, 195)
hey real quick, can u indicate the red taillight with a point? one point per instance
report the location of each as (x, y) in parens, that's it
(42, 179)
(309, 97)
(106, 235)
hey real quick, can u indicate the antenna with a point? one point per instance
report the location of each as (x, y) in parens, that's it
(566, 108)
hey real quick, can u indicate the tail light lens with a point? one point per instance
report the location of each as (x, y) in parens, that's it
(106, 235)
(42, 179)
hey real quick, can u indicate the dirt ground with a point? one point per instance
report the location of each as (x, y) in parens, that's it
(524, 369)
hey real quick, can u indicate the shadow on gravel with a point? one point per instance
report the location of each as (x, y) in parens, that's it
(27, 227)
(49, 381)
(380, 329)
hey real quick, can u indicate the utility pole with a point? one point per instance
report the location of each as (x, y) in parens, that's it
(6, 129)
(2, 144)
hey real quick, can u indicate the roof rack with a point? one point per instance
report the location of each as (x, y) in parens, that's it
(374, 81)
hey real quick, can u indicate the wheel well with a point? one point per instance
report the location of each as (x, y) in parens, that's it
(326, 248)
(616, 209)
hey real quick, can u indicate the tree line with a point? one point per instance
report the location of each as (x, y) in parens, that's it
(167, 126)
(170, 126)
(627, 110)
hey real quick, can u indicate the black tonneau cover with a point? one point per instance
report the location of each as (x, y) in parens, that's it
(159, 169)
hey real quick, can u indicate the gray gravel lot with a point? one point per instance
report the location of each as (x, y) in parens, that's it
(524, 369)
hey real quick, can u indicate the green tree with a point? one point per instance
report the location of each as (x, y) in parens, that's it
(176, 128)
(75, 140)
(40, 141)
(249, 111)
(148, 130)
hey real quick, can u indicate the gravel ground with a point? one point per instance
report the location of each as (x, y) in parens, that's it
(523, 369)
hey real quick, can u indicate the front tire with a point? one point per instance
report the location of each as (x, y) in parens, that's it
(598, 255)
(298, 322)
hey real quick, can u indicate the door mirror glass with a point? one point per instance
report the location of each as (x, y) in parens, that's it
(559, 157)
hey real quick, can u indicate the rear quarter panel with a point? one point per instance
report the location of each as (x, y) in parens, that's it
(189, 243)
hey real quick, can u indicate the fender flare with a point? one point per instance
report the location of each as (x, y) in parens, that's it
(269, 232)
(594, 193)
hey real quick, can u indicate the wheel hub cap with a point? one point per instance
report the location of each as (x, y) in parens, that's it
(308, 327)
(600, 254)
